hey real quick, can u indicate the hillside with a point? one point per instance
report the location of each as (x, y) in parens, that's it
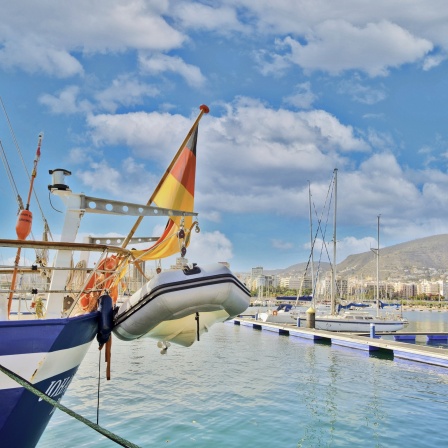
(420, 258)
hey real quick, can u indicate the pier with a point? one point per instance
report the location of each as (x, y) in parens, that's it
(362, 341)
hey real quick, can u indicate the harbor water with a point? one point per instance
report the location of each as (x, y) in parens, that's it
(240, 387)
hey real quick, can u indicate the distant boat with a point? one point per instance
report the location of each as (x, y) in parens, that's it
(356, 321)
(285, 313)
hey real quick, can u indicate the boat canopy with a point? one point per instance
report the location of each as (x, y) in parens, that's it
(352, 305)
(285, 307)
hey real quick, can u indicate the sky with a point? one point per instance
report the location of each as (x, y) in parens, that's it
(296, 89)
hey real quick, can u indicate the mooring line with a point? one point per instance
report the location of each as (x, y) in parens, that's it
(27, 385)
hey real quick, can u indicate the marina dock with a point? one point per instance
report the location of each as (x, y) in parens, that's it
(397, 349)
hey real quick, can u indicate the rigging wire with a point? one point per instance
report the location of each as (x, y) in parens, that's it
(10, 176)
(44, 219)
(322, 230)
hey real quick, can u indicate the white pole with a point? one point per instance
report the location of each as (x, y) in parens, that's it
(378, 272)
(333, 280)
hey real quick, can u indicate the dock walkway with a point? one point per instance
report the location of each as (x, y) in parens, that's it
(419, 353)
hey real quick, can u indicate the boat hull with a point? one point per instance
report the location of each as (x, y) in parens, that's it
(46, 353)
(178, 305)
(362, 326)
(280, 318)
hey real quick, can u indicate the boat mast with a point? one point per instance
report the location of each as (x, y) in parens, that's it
(378, 271)
(333, 271)
(24, 223)
(312, 249)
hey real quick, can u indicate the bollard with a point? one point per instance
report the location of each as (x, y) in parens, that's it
(372, 331)
(310, 318)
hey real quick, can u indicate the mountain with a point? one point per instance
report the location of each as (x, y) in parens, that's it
(421, 258)
(297, 270)
(413, 260)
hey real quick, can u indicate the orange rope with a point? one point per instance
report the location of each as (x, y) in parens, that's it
(108, 356)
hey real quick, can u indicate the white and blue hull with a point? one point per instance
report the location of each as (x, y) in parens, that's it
(358, 326)
(46, 353)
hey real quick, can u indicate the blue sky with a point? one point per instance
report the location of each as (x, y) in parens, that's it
(295, 89)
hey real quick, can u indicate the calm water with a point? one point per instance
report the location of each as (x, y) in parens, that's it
(239, 387)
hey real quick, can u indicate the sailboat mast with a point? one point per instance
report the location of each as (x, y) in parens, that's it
(378, 271)
(333, 272)
(312, 248)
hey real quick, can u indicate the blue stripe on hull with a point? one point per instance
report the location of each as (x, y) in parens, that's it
(23, 416)
(42, 336)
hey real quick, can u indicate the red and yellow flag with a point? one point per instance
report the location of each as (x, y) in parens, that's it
(175, 191)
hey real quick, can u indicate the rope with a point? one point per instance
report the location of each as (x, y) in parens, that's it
(108, 354)
(197, 325)
(27, 385)
(23, 162)
(98, 394)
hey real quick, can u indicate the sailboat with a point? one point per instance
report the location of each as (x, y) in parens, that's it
(288, 313)
(47, 329)
(356, 320)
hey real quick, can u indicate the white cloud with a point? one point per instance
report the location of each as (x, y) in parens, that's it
(204, 248)
(250, 154)
(379, 186)
(65, 102)
(79, 155)
(200, 17)
(351, 245)
(159, 63)
(258, 159)
(124, 91)
(374, 48)
(209, 247)
(53, 37)
(43, 37)
(433, 61)
(282, 245)
(362, 93)
(153, 135)
(346, 246)
(131, 182)
(332, 132)
(270, 63)
(380, 141)
(303, 97)
(35, 56)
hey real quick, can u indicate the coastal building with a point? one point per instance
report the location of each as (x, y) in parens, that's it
(290, 282)
(406, 290)
(444, 289)
(299, 283)
(257, 272)
(429, 288)
(341, 287)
